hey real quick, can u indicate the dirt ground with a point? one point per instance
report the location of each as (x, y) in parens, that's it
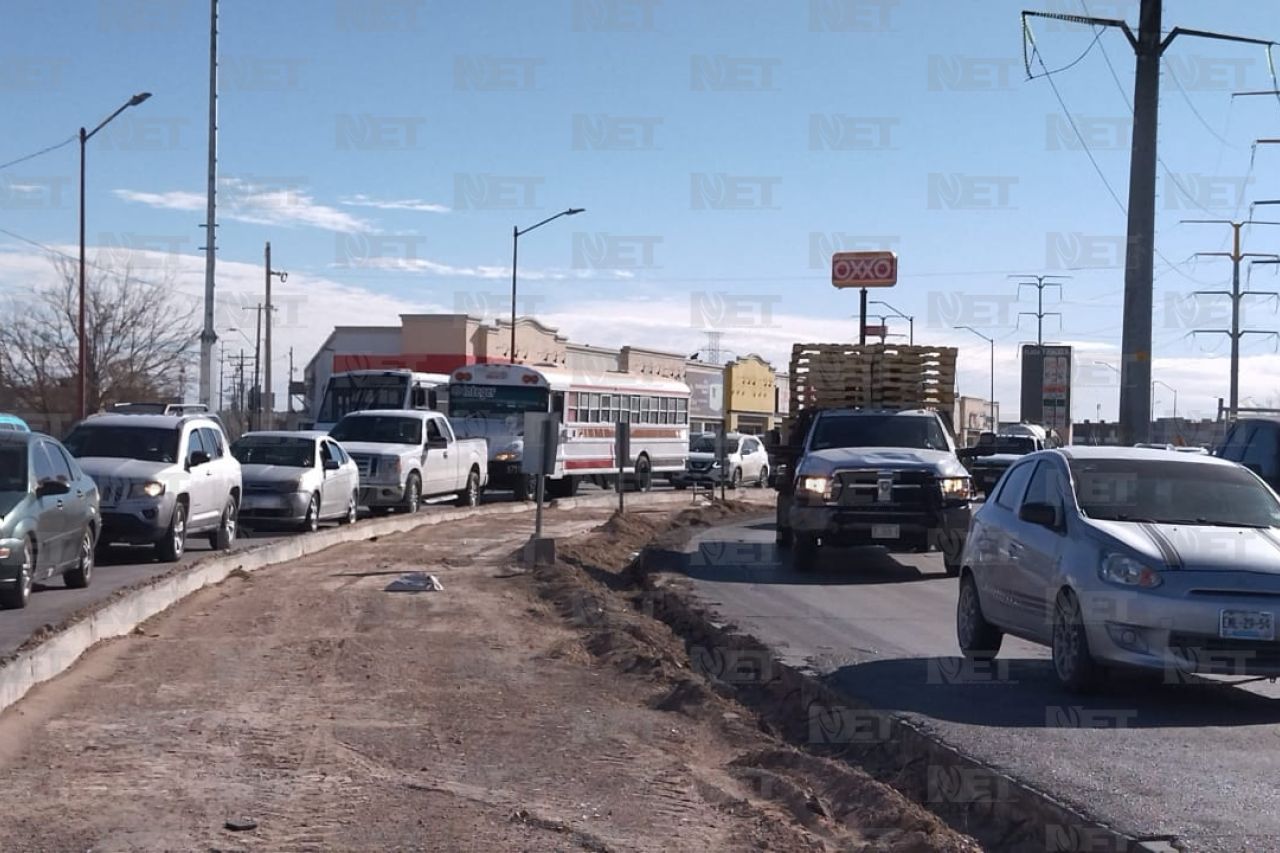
(509, 711)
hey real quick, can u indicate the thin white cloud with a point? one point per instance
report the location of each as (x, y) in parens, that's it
(414, 204)
(427, 266)
(257, 204)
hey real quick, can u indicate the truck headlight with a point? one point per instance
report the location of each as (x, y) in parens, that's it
(1126, 571)
(815, 485)
(957, 488)
(506, 456)
(389, 467)
(149, 489)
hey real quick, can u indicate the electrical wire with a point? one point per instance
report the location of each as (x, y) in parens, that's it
(45, 150)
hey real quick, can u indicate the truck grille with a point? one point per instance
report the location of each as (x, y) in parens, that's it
(900, 489)
(112, 490)
(366, 463)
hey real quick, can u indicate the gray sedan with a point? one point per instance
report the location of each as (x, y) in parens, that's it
(296, 479)
(1126, 557)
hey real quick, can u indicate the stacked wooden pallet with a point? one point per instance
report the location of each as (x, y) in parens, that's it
(872, 375)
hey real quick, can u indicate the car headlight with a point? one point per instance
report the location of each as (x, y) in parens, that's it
(956, 487)
(149, 489)
(506, 456)
(815, 485)
(1126, 571)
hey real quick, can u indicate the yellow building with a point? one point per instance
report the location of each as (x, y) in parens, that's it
(750, 395)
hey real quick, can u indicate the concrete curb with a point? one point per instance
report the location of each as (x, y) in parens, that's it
(970, 795)
(116, 617)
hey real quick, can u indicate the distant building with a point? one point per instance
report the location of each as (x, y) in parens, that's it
(750, 394)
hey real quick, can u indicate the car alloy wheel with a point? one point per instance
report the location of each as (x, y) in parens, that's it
(978, 638)
(82, 574)
(311, 522)
(1073, 663)
(353, 510)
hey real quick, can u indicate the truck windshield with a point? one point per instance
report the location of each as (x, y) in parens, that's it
(288, 452)
(347, 393)
(495, 401)
(382, 429)
(916, 431)
(150, 444)
(1015, 444)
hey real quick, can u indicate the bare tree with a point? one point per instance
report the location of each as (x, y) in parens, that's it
(140, 338)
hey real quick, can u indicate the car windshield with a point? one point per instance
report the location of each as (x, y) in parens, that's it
(150, 444)
(1168, 491)
(289, 452)
(917, 431)
(383, 429)
(707, 444)
(13, 468)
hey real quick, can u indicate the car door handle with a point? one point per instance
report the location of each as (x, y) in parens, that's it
(1015, 548)
(59, 503)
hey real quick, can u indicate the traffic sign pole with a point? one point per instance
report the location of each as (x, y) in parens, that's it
(862, 326)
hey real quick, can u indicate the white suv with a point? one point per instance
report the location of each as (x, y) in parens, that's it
(745, 461)
(160, 478)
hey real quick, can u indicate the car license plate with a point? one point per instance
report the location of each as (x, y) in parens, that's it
(884, 531)
(1246, 625)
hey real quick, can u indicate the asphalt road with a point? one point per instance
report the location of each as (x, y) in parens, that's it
(1193, 761)
(125, 566)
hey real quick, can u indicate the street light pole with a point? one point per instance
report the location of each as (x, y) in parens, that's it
(515, 249)
(995, 426)
(82, 396)
(911, 321)
(1154, 383)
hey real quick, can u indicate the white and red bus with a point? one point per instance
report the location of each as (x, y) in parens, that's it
(489, 400)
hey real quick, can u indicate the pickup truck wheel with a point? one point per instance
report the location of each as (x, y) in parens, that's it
(173, 544)
(412, 494)
(526, 488)
(804, 551)
(224, 536)
(470, 496)
(978, 639)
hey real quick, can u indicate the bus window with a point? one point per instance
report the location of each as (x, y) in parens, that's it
(420, 398)
(635, 408)
(571, 399)
(557, 404)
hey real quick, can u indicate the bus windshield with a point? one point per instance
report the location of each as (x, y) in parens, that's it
(495, 401)
(352, 393)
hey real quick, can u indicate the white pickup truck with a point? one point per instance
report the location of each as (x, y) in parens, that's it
(406, 456)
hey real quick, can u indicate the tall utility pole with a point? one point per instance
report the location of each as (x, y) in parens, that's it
(266, 367)
(1148, 47)
(209, 336)
(255, 393)
(1235, 332)
(1040, 282)
(288, 395)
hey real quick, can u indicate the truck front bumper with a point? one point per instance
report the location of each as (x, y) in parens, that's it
(382, 495)
(836, 525)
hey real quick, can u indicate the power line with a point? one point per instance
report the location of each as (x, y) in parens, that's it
(46, 150)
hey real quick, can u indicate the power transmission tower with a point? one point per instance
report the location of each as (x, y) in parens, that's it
(712, 348)
(1040, 282)
(1235, 295)
(1148, 47)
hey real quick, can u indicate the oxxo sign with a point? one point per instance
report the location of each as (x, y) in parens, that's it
(864, 269)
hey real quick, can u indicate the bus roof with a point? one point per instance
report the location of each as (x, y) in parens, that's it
(559, 379)
(438, 378)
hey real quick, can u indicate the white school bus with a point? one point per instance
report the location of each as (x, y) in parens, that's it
(490, 400)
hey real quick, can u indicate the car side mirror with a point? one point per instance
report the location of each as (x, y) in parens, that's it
(1042, 514)
(197, 458)
(50, 488)
(332, 465)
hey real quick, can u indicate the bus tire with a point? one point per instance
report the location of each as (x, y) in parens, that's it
(644, 475)
(565, 487)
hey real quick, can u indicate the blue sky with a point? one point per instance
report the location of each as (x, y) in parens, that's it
(387, 147)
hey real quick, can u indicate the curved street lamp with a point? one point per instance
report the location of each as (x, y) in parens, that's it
(515, 246)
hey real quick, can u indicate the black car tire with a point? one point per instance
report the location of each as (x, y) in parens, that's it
(15, 597)
(353, 510)
(171, 547)
(1073, 663)
(762, 482)
(311, 521)
(412, 495)
(224, 535)
(470, 496)
(82, 574)
(978, 639)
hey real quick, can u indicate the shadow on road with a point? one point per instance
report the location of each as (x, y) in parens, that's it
(766, 563)
(1023, 693)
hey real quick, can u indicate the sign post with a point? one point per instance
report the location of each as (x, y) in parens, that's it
(541, 439)
(720, 457)
(623, 453)
(863, 270)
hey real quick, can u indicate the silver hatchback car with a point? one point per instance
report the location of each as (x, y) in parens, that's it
(1131, 557)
